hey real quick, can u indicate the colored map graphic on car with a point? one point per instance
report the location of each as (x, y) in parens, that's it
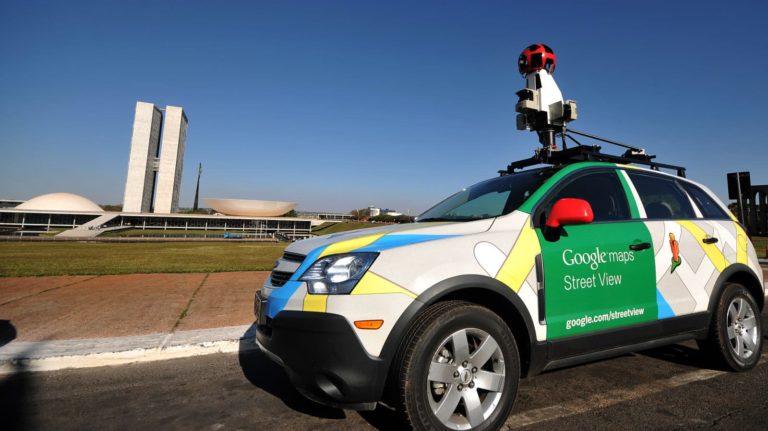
(675, 247)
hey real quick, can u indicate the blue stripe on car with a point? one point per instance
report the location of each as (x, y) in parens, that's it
(279, 297)
(664, 309)
(393, 240)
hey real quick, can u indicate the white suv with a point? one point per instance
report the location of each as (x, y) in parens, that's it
(529, 271)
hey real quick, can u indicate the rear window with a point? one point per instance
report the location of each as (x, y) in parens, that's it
(662, 197)
(708, 207)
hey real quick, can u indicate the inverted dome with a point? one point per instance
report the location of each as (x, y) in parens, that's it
(249, 207)
(60, 202)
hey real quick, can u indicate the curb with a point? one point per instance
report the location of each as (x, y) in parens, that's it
(20, 356)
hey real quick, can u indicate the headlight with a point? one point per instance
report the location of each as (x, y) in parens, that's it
(337, 274)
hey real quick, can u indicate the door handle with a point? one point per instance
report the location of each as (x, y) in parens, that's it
(709, 240)
(641, 246)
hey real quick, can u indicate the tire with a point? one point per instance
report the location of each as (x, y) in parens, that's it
(459, 368)
(735, 338)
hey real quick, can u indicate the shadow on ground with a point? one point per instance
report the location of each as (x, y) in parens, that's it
(269, 376)
(16, 389)
(683, 354)
(680, 354)
(7, 332)
(385, 418)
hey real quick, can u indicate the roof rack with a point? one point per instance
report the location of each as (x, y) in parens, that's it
(583, 153)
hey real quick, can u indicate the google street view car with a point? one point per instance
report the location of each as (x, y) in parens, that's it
(570, 256)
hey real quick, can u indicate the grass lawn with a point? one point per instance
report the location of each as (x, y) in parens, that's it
(328, 228)
(76, 258)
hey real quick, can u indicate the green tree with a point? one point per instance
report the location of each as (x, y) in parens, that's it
(383, 218)
(360, 214)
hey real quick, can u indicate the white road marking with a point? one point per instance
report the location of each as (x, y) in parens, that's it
(605, 399)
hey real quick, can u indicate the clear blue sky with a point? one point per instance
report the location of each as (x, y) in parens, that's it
(341, 104)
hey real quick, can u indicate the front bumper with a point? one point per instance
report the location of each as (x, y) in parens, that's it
(324, 358)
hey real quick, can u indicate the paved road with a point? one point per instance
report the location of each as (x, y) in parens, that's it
(665, 388)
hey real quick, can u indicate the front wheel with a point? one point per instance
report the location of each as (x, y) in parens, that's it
(460, 369)
(735, 336)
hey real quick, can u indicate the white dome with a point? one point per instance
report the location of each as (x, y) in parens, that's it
(60, 202)
(249, 207)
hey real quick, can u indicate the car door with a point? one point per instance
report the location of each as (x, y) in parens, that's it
(729, 237)
(600, 275)
(690, 251)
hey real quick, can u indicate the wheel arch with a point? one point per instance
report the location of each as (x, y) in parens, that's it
(742, 274)
(477, 289)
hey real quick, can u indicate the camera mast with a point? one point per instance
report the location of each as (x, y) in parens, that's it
(541, 108)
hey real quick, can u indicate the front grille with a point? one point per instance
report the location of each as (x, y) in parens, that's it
(279, 278)
(293, 257)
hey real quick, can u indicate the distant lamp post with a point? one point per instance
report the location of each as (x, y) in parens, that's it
(197, 189)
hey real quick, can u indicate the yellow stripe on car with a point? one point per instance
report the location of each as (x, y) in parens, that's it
(741, 245)
(372, 284)
(518, 264)
(350, 244)
(713, 253)
(317, 303)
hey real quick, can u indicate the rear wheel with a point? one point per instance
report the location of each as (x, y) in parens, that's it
(735, 336)
(459, 370)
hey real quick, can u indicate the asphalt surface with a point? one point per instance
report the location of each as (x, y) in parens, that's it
(247, 391)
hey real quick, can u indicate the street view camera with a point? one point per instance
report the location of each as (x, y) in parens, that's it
(540, 105)
(540, 108)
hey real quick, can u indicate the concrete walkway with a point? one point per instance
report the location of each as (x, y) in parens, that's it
(73, 321)
(91, 229)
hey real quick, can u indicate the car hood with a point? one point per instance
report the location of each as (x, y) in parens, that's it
(397, 235)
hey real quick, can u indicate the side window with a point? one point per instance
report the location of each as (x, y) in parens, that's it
(602, 190)
(708, 207)
(662, 197)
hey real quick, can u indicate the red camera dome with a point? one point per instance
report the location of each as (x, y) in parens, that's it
(537, 57)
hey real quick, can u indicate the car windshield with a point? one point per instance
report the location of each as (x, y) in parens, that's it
(490, 198)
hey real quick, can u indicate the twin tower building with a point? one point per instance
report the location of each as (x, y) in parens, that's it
(154, 170)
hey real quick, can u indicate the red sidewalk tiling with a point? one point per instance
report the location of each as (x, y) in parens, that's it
(106, 306)
(13, 288)
(226, 299)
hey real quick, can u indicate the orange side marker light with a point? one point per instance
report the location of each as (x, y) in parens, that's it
(368, 324)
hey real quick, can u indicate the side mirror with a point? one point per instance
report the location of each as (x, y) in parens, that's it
(569, 211)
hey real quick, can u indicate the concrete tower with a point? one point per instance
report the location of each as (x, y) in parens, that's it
(145, 140)
(171, 160)
(154, 171)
